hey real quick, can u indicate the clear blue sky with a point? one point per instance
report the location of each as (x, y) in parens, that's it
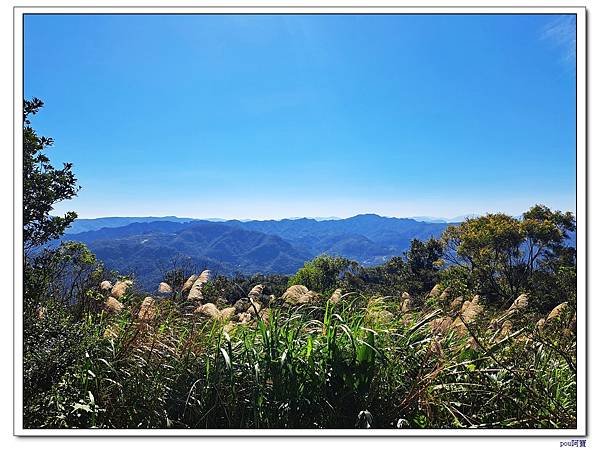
(281, 116)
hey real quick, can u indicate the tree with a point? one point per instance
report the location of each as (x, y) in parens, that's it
(43, 185)
(424, 262)
(502, 253)
(415, 272)
(323, 273)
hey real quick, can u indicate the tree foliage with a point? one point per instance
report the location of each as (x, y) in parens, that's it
(43, 185)
(502, 253)
(417, 271)
(324, 273)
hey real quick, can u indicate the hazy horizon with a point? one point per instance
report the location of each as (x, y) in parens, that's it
(318, 218)
(285, 116)
(184, 212)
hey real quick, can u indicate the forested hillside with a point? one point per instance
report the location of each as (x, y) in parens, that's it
(145, 249)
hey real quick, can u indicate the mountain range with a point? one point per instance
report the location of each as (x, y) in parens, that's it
(148, 246)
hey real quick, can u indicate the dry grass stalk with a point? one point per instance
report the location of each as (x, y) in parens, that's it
(406, 304)
(506, 329)
(164, 288)
(209, 310)
(112, 305)
(557, 311)
(309, 297)
(436, 348)
(227, 313)
(244, 317)
(441, 325)
(444, 295)
(195, 294)
(256, 292)
(254, 308)
(148, 309)
(336, 296)
(470, 311)
(106, 285)
(204, 276)
(519, 304)
(539, 326)
(456, 303)
(435, 291)
(189, 283)
(120, 288)
(294, 293)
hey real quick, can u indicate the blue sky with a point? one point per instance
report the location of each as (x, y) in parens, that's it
(284, 116)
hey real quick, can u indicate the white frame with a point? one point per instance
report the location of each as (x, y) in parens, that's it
(581, 97)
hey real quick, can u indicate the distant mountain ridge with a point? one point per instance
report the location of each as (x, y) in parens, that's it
(81, 225)
(147, 247)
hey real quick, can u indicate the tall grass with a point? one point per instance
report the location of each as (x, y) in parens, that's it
(357, 362)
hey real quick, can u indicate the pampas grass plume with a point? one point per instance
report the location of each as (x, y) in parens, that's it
(112, 305)
(148, 309)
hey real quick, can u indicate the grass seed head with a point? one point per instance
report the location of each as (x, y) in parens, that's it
(557, 312)
(441, 325)
(336, 296)
(242, 305)
(189, 283)
(506, 328)
(539, 326)
(120, 288)
(520, 303)
(227, 313)
(204, 276)
(254, 308)
(406, 304)
(456, 304)
(164, 288)
(445, 294)
(256, 292)
(244, 317)
(112, 305)
(209, 310)
(435, 291)
(148, 310)
(195, 294)
(293, 294)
